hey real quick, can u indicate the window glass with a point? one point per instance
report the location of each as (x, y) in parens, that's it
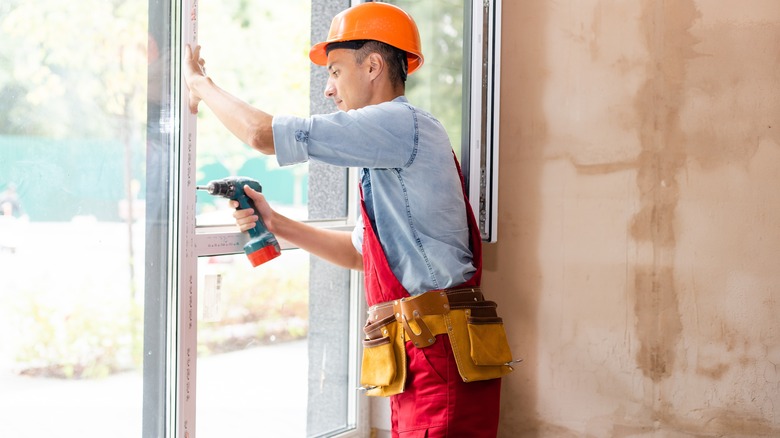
(73, 93)
(252, 346)
(274, 357)
(256, 50)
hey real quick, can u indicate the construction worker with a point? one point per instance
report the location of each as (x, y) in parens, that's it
(416, 239)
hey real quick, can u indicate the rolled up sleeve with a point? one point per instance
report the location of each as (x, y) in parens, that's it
(291, 139)
(377, 136)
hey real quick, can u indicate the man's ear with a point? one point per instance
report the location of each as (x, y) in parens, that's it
(376, 64)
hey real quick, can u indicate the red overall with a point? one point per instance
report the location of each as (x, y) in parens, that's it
(436, 402)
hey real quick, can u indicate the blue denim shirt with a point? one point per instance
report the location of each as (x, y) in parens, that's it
(411, 188)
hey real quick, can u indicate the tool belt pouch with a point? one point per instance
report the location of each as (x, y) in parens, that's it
(476, 333)
(383, 369)
(479, 342)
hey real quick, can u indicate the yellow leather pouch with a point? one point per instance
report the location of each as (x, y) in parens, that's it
(489, 345)
(383, 370)
(378, 368)
(486, 342)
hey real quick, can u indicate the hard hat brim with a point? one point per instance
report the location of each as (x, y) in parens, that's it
(318, 53)
(319, 56)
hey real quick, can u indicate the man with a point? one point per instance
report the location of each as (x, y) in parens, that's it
(9, 202)
(416, 233)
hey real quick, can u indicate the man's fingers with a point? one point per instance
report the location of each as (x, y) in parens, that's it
(242, 214)
(254, 194)
(245, 219)
(194, 53)
(191, 54)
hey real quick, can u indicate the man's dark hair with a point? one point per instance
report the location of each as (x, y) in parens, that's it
(395, 59)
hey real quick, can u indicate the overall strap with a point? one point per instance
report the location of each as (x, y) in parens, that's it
(381, 283)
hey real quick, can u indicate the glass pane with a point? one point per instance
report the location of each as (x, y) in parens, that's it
(252, 346)
(296, 384)
(258, 51)
(73, 88)
(438, 85)
(157, 231)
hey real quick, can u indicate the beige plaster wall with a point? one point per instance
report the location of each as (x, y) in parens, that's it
(638, 262)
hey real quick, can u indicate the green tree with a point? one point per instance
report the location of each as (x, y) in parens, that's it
(67, 60)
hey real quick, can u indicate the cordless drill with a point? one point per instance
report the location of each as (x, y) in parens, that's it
(262, 245)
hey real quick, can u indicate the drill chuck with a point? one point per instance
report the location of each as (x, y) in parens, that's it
(220, 188)
(262, 245)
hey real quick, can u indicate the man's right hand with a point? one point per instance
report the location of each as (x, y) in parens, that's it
(247, 218)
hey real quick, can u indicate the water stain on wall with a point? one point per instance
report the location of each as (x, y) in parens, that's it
(666, 27)
(658, 319)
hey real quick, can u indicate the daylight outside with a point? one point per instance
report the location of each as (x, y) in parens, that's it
(74, 194)
(82, 171)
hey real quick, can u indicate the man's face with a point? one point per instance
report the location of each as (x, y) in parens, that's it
(348, 82)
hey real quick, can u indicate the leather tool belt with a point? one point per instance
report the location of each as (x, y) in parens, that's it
(475, 330)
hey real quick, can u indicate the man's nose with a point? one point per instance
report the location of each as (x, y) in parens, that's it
(330, 89)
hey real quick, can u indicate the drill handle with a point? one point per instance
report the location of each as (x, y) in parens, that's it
(259, 227)
(244, 202)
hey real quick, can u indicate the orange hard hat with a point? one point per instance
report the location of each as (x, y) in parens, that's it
(373, 21)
